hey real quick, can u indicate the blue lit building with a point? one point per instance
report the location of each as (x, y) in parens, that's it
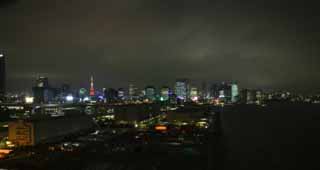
(181, 89)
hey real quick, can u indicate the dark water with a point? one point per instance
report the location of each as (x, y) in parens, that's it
(280, 136)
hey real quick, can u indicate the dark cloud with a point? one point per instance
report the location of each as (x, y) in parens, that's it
(263, 43)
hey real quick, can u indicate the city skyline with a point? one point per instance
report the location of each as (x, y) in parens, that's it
(159, 84)
(141, 86)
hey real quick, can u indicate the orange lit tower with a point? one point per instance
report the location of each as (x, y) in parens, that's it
(92, 92)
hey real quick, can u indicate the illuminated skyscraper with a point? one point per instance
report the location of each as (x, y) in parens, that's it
(92, 91)
(234, 92)
(222, 91)
(259, 96)
(121, 94)
(142, 93)
(2, 74)
(133, 92)
(151, 93)
(194, 96)
(164, 93)
(43, 82)
(181, 89)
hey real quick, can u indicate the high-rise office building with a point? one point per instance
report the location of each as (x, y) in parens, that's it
(65, 90)
(2, 74)
(111, 95)
(204, 91)
(151, 93)
(234, 92)
(43, 82)
(248, 96)
(222, 91)
(42, 91)
(260, 96)
(226, 90)
(164, 93)
(181, 89)
(121, 94)
(194, 96)
(133, 92)
(215, 90)
(142, 94)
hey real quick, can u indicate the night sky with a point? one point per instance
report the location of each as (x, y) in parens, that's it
(260, 44)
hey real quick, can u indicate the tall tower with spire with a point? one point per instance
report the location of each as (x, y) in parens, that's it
(92, 92)
(2, 75)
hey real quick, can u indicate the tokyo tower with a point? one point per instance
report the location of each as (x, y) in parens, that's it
(92, 92)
